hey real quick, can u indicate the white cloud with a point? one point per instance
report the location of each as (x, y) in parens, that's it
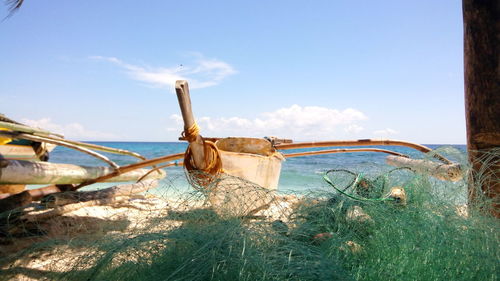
(201, 73)
(297, 122)
(385, 133)
(70, 131)
(354, 129)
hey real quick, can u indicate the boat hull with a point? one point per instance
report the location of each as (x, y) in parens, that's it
(252, 159)
(25, 151)
(254, 170)
(262, 170)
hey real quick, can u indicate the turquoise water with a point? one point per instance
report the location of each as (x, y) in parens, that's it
(300, 173)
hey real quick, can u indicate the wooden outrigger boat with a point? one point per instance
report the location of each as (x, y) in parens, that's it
(23, 161)
(259, 160)
(20, 149)
(256, 161)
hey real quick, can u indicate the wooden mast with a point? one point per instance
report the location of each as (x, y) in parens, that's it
(482, 95)
(196, 141)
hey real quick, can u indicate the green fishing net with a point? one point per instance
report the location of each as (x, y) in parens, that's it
(391, 225)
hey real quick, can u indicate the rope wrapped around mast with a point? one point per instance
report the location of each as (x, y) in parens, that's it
(212, 158)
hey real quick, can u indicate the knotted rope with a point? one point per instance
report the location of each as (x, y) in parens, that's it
(212, 159)
(191, 133)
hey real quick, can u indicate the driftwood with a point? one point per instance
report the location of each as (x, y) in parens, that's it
(10, 211)
(54, 197)
(61, 210)
(66, 202)
(15, 201)
(20, 218)
(11, 201)
(450, 172)
(70, 197)
(37, 193)
(11, 188)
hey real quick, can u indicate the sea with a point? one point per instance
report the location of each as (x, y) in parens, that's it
(298, 174)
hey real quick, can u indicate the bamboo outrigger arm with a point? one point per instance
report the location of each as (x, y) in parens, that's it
(60, 142)
(362, 142)
(131, 167)
(26, 129)
(102, 148)
(344, 150)
(285, 144)
(28, 172)
(56, 137)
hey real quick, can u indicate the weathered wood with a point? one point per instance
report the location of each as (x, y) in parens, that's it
(362, 142)
(70, 197)
(61, 210)
(12, 188)
(449, 172)
(196, 144)
(273, 140)
(132, 167)
(15, 201)
(482, 94)
(62, 143)
(62, 203)
(26, 172)
(342, 150)
(102, 148)
(26, 129)
(36, 193)
(276, 140)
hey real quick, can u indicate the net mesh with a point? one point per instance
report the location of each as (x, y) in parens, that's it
(391, 225)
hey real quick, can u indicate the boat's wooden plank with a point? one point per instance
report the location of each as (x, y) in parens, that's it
(18, 152)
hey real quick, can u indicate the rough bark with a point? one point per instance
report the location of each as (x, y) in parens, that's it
(482, 97)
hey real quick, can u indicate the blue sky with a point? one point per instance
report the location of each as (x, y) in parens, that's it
(307, 70)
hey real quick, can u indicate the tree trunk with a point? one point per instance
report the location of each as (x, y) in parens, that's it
(482, 94)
